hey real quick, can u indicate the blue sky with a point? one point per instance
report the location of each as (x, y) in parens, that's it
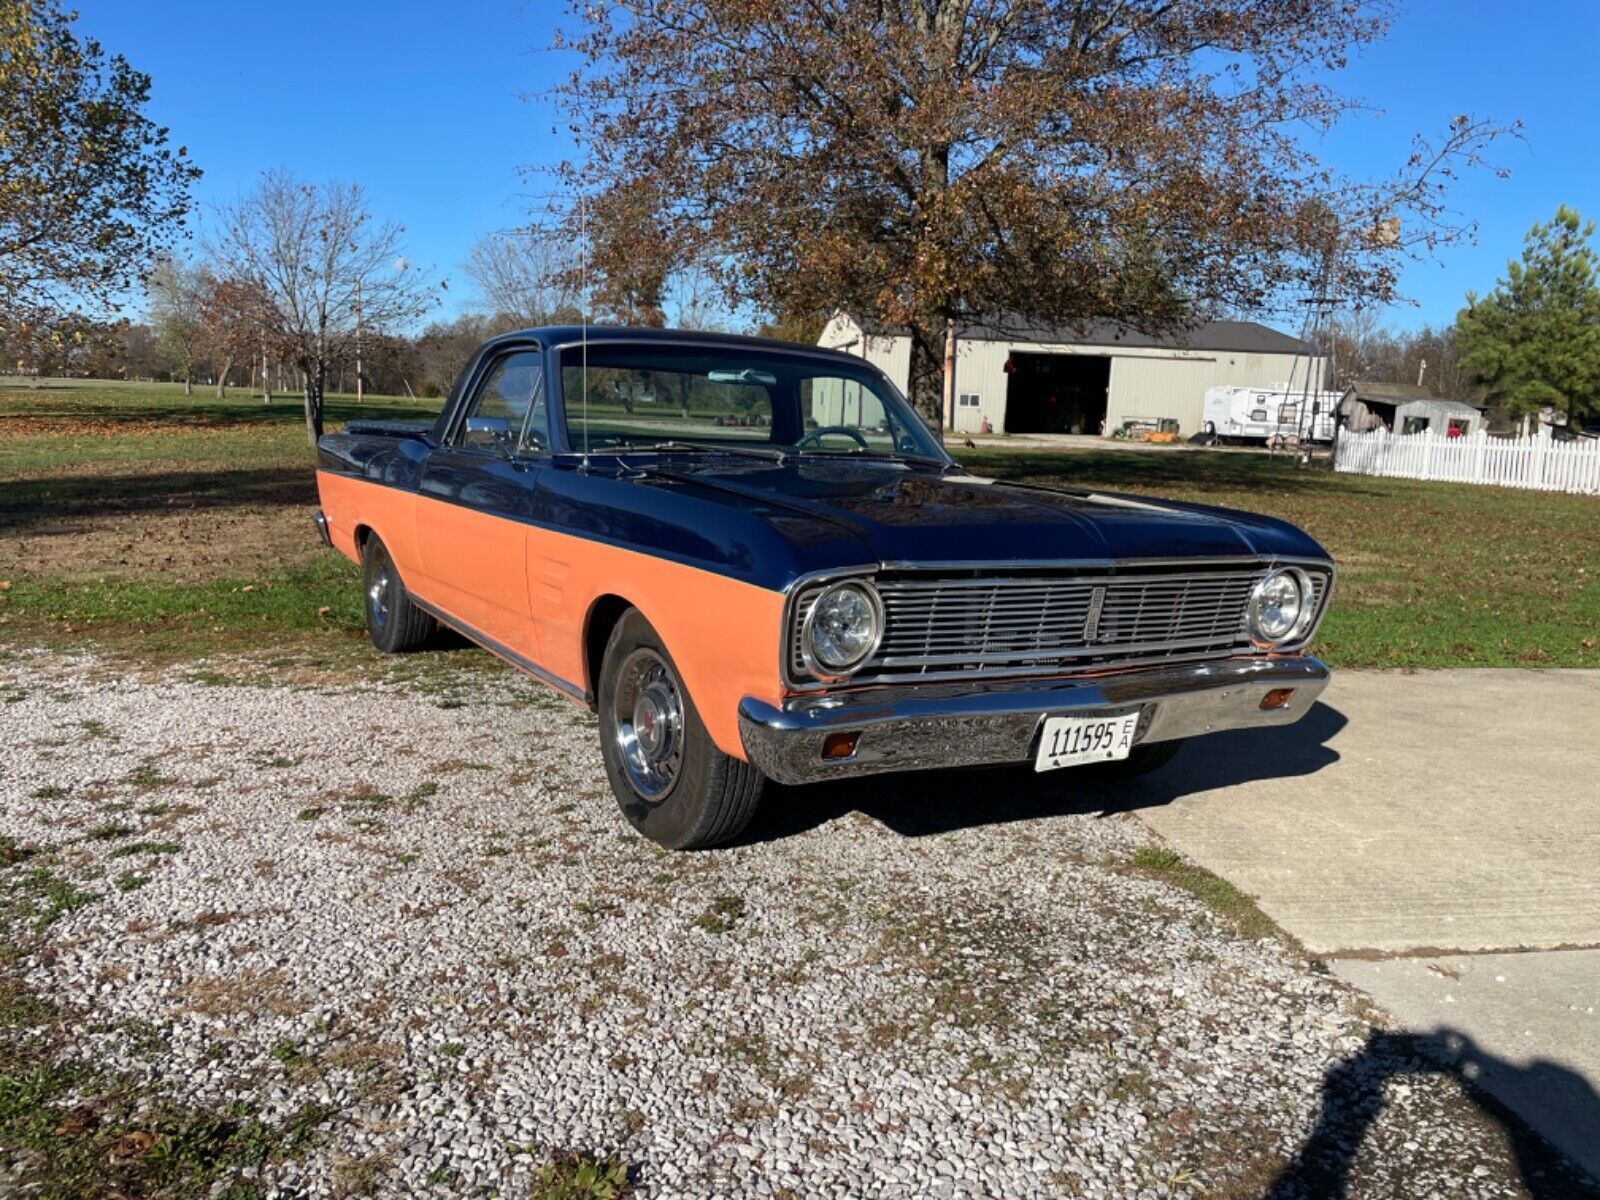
(435, 109)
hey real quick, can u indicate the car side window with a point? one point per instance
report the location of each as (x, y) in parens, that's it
(508, 409)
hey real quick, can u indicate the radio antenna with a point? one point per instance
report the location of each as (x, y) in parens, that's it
(583, 319)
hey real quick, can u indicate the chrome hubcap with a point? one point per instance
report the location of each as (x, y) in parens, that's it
(647, 711)
(378, 593)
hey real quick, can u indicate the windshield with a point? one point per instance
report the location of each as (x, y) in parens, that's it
(641, 395)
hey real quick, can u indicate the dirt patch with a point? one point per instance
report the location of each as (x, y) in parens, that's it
(160, 523)
(134, 424)
(166, 547)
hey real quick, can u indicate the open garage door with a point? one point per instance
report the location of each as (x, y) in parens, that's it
(1056, 393)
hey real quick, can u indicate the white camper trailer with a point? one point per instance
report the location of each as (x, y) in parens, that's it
(1257, 414)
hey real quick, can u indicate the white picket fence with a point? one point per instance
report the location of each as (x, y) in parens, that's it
(1526, 462)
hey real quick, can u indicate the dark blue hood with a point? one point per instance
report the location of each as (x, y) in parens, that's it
(925, 516)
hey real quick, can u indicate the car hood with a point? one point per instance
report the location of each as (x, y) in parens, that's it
(927, 516)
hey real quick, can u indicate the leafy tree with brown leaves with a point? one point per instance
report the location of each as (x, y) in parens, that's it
(234, 319)
(918, 161)
(91, 195)
(323, 272)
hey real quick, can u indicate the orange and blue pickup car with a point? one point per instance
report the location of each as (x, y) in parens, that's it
(755, 563)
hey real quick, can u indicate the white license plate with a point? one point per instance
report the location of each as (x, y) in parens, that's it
(1076, 741)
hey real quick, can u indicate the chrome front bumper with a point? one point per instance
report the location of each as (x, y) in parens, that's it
(321, 522)
(912, 728)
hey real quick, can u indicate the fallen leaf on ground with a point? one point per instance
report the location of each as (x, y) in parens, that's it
(76, 1122)
(131, 1145)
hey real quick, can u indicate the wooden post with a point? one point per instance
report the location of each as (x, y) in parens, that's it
(950, 373)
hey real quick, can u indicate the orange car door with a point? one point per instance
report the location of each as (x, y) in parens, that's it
(474, 503)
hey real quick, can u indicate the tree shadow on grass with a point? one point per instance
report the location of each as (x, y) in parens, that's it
(56, 502)
(133, 409)
(1353, 1099)
(932, 802)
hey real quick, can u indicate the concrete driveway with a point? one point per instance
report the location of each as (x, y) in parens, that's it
(1436, 836)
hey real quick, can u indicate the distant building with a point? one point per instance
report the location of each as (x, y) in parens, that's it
(1030, 379)
(1405, 408)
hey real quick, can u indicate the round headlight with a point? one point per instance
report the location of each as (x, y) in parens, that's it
(842, 628)
(1280, 606)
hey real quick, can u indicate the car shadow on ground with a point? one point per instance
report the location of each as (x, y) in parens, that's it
(931, 802)
(1353, 1096)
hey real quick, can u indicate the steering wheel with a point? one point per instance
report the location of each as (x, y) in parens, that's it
(816, 435)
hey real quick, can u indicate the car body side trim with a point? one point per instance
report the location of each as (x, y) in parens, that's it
(522, 663)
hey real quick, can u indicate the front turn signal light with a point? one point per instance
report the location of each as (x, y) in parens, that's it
(1276, 698)
(840, 745)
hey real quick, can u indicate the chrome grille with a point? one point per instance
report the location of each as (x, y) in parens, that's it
(946, 624)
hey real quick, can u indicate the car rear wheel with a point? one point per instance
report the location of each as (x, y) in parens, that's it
(394, 623)
(672, 783)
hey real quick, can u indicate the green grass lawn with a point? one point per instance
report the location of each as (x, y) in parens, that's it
(1430, 574)
(136, 517)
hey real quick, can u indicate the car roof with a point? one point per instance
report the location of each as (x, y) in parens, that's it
(555, 335)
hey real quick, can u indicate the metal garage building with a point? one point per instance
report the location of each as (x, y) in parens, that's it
(1029, 379)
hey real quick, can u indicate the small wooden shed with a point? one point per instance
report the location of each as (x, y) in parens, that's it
(1404, 408)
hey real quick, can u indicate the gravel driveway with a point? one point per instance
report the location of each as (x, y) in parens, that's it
(424, 913)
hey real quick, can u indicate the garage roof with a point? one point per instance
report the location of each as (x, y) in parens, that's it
(1373, 392)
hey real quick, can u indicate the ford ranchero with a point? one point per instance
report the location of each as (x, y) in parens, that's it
(754, 562)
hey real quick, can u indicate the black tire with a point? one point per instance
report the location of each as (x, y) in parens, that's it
(1141, 761)
(672, 783)
(394, 623)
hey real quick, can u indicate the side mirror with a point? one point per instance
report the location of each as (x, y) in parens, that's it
(489, 432)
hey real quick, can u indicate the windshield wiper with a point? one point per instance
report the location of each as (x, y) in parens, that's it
(767, 452)
(926, 460)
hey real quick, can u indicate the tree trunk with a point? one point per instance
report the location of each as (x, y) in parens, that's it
(188, 383)
(314, 381)
(926, 380)
(222, 378)
(929, 333)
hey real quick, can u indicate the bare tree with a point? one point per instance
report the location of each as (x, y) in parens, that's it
(696, 300)
(525, 275)
(317, 260)
(176, 292)
(1352, 335)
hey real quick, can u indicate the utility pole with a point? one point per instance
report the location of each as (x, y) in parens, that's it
(1422, 369)
(358, 339)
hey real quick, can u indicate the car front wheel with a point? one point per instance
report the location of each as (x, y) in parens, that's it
(672, 783)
